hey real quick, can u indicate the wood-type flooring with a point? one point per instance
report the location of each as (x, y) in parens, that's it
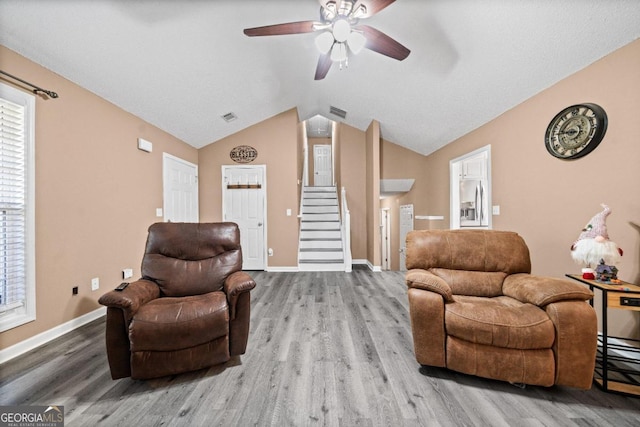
(325, 348)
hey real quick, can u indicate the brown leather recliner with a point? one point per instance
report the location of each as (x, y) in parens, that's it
(189, 311)
(476, 309)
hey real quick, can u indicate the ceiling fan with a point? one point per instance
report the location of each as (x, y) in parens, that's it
(341, 33)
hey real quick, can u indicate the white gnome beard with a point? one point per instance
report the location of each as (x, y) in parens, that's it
(589, 252)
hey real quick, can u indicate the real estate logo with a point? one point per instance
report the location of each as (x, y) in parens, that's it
(31, 416)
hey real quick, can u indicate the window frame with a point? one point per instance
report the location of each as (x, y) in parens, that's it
(26, 313)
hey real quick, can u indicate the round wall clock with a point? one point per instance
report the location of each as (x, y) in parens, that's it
(576, 131)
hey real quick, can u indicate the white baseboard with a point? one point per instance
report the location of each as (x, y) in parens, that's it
(359, 262)
(374, 268)
(46, 336)
(281, 269)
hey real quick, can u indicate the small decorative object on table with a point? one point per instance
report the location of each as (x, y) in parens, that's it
(606, 273)
(594, 248)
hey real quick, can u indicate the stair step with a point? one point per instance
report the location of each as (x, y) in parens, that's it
(320, 234)
(314, 217)
(306, 245)
(319, 209)
(319, 202)
(321, 261)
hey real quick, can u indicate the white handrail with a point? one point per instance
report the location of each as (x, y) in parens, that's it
(346, 232)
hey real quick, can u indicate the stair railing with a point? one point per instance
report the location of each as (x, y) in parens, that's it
(345, 228)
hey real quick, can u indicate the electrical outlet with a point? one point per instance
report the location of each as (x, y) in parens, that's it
(74, 290)
(127, 273)
(95, 284)
(270, 252)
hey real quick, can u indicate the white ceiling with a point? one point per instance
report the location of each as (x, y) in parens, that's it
(182, 64)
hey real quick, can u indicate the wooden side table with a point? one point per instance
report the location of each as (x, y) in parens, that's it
(617, 359)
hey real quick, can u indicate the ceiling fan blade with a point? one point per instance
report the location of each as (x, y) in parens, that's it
(324, 64)
(282, 29)
(373, 6)
(378, 41)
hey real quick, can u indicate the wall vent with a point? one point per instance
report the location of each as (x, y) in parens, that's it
(229, 117)
(338, 112)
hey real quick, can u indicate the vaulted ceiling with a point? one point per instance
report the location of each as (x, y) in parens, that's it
(183, 64)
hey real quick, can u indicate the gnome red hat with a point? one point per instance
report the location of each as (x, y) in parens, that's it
(593, 244)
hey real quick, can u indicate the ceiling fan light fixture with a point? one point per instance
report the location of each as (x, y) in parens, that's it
(359, 12)
(356, 42)
(341, 30)
(324, 42)
(339, 52)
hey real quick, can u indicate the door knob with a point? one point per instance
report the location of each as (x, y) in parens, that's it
(259, 224)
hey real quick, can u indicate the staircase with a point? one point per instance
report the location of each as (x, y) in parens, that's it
(320, 247)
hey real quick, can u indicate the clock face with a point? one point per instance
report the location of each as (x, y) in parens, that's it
(576, 131)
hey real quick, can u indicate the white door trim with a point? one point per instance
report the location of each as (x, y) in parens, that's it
(263, 170)
(165, 157)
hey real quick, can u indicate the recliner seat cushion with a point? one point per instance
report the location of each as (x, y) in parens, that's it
(167, 324)
(500, 322)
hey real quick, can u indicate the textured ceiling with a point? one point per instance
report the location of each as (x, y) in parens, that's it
(182, 64)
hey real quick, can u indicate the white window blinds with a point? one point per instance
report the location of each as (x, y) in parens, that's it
(16, 278)
(12, 206)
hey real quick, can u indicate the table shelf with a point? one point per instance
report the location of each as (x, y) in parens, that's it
(617, 367)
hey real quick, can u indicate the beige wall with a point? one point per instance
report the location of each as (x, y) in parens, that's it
(96, 194)
(276, 140)
(373, 142)
(353, 178)
(547, 200)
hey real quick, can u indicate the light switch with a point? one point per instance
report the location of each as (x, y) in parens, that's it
(495, 210)
(159, 212)
(288, 212)
(145, 145)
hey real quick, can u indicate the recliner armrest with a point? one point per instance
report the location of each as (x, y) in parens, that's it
(131, 298)
(234, 285)
(540, 291)
(425, 280)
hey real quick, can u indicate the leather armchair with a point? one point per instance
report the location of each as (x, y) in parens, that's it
(476, 309)
(190, 309)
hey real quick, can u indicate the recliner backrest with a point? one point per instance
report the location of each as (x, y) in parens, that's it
(473, 262)
(191, 258)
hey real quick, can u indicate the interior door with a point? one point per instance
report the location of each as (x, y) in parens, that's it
(406, 225)
(180, 189)
(322, 165)
(385, 235)
(243, 190)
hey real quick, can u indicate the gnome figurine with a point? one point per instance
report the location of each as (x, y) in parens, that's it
(593, 245)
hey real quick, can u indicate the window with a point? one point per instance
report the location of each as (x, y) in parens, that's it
(17, 197)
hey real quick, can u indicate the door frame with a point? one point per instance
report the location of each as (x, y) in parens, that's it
(166, 157)
(385, 235)
(263, 191)
(455, 172)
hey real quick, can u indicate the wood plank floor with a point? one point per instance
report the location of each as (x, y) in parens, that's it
(325, 348)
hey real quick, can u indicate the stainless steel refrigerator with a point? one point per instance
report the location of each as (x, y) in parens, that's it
(473, 203)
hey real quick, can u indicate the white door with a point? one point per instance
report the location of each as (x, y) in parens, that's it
(385, 238)
(180, 189)
(406, 225)
(243, 202)
(322, 165)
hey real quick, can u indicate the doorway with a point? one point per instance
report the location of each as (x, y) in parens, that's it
(180, 189)
(244, 202)
(470, 186)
